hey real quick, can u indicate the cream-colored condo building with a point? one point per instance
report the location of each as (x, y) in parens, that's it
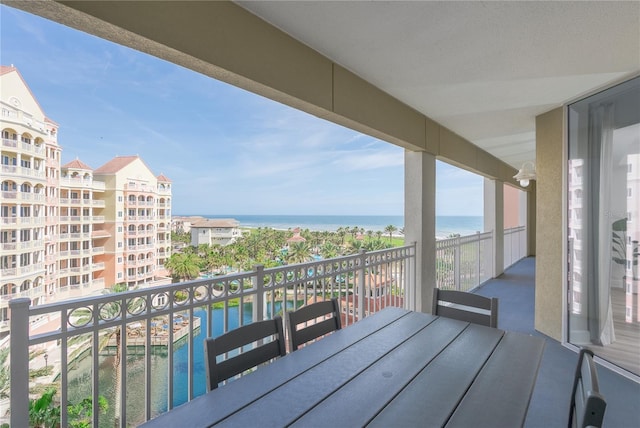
(68, 230)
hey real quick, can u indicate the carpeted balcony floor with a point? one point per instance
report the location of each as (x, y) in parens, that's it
(550, 402)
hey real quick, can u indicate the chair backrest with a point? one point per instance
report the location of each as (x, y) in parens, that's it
(239, 361)
(465, 306)
(303, 326)
(587, 404)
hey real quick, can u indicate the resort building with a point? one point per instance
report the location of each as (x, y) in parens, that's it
(137, 219)
(182, 224)
(69, 231)
(219, 231)
(81, 233)
(30, 158)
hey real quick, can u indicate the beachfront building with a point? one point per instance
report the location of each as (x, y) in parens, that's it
(182, 224)
(69, 231)
(81, 233)
(137, 220)
(30, 158)
(215, 231)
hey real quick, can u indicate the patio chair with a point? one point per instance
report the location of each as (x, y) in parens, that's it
(466, 306)
(240, 360)
(303, 324)
(587, 404)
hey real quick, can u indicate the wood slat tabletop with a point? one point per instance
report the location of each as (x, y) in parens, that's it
(393, 368)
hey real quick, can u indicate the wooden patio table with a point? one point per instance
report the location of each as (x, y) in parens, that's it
(394, 368)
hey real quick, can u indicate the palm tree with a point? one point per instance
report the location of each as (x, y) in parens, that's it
(355, 245)
(183, 266)
(375, 244)
(203, 249)
(342, 232)
(390, 229)
(299, 252)
(329, 250)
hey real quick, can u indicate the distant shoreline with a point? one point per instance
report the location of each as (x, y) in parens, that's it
(445, 225)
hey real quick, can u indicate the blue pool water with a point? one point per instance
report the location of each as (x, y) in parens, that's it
(80, 371)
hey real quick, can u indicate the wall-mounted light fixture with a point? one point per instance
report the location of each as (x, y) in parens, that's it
(526, 174)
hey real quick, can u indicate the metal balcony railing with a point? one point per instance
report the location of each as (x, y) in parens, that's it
(164, 320)
(464, 262)
(515, 245)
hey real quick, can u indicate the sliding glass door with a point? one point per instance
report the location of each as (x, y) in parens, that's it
(603, 200)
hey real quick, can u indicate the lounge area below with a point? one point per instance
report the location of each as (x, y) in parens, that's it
(550, 401)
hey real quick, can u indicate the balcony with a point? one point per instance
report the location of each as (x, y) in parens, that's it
(263, 290)
(82, 183)
(9, 143)
(31, 293)
(19, 171)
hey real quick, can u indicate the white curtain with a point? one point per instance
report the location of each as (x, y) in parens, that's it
(604, 115)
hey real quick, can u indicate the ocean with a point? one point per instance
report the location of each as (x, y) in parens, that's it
(445, 225)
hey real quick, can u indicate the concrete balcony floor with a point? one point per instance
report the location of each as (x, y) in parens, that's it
(550, 402)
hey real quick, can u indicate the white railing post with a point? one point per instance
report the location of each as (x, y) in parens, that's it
(478, 258)
(258, 285)
(456, 263)
(360, 285)
(19, 360)
(411, 276)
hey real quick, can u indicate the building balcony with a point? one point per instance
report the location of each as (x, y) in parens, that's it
(21, 246)
(70, 219)
(19, 171)
(97, 266)
(22, 271)
(95, 234)
(23, 221)
(31, 293)
(10, 143)
(82, 183)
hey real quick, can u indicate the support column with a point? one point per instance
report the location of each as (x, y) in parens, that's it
(420, 222)
(531, 219)
(494, 220)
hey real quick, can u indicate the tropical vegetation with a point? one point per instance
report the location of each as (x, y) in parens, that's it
(269, 247)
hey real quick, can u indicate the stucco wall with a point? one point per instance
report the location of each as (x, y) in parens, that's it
(549, 279)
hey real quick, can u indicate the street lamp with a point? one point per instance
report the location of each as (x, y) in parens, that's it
(46, 357)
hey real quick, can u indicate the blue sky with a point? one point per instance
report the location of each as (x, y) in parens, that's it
(227, 151)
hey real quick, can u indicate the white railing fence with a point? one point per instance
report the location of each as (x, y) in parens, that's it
(464, 262)
(515, 245)
(142, 349)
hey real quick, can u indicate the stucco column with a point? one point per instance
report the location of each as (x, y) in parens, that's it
(420, 221)
(531, 219)
(494, 220)
(550, 231)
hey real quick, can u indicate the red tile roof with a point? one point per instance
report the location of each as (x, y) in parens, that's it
(216, 222)
(77, 164)
(116, 164)
(4, 69)
(164, 178)
(296, 236)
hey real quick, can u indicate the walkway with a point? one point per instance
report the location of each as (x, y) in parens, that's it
(550, 402)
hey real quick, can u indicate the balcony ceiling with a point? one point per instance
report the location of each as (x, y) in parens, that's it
(482, 69)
